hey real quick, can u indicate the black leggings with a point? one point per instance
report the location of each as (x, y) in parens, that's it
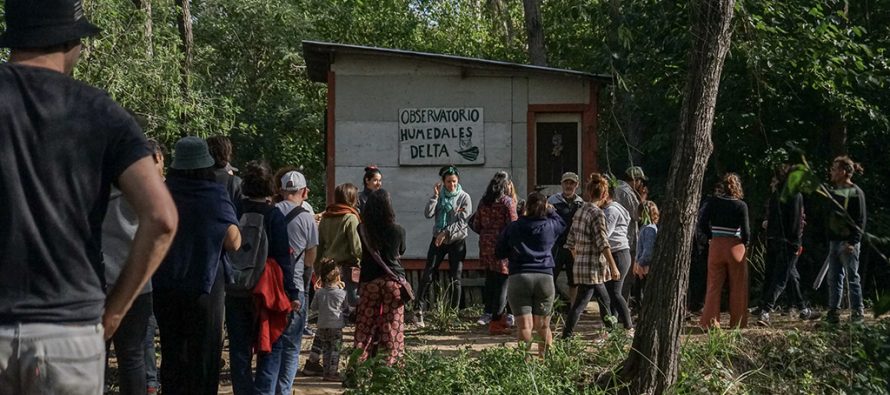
(495, 294)
(614, 303)
(456, 252)
(129, 346)
(582, 297)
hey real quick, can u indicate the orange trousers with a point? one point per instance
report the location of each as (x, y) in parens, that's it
(726, 258)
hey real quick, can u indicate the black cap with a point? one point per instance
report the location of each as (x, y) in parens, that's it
(44, 23)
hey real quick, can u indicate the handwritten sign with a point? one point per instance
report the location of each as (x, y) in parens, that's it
(441, 136)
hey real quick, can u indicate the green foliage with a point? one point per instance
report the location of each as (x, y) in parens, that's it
(846, 359)
(499, 370)
(441, 317)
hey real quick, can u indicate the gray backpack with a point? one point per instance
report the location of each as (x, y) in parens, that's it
(249, 262)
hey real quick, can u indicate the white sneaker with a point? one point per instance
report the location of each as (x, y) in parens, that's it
(418, 320)
(484, 319)
(511, 320)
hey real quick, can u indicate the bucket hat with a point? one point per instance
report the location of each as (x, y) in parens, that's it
(44, 23)
(191, 153)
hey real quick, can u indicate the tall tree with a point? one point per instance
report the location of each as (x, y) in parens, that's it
(652, 365)
(145, 7)
(500, 16)
(534, 26)
(184, 20)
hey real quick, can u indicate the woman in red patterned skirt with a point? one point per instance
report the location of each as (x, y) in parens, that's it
(380, 319)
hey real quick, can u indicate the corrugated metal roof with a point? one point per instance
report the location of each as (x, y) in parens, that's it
(320, 55)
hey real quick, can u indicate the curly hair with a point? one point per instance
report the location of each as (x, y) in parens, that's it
(257, 181)
(732, 186)
(328, 272)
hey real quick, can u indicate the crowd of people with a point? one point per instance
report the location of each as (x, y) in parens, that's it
(104, 244)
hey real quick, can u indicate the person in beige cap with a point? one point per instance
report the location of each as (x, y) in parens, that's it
(565, 203)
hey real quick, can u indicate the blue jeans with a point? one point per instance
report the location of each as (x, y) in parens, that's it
(151, 363)
(276, 370)
(129, 346)
(841, 261)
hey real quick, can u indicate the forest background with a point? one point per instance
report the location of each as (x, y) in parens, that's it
(802, 76)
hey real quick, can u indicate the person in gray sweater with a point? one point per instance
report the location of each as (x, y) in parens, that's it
(329, 303)
(449, 207)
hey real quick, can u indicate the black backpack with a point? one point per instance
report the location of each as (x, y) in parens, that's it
(249, 262)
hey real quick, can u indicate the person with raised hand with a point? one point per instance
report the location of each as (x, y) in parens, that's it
(449, 207)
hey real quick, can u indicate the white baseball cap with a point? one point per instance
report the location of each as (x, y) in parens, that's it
(293, 181)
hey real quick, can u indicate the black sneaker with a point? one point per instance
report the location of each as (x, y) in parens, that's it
(832, 317)
(857, 317)
(809, 314)
(312, 369)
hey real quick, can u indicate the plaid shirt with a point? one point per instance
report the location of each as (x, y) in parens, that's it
(587, 239)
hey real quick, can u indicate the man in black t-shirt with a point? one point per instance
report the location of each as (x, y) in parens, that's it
(62, 144)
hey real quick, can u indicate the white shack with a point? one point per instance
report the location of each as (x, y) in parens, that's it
(410, 113)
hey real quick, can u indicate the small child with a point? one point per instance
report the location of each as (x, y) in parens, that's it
(646, 243)
(330, 304)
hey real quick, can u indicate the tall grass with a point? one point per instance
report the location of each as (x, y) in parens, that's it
(852, 360)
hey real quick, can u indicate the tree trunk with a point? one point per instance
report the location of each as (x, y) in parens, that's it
(188, 42)
(500, 15)
(534, 26)
(837, 134)
(652, 365)
(145, 6)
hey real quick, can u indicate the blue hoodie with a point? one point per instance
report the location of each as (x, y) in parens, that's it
(528, 241)
(205, 213)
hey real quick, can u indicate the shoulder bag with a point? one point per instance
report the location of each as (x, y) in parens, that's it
(406, 289)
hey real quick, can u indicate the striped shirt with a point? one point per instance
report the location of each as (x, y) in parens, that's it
(587, 239)
(725, 217)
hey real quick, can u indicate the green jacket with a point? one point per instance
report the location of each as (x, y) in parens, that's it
(338, 239)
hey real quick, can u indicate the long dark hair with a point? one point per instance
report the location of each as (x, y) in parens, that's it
(220, 148)
(496, 189)
(378, 217)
